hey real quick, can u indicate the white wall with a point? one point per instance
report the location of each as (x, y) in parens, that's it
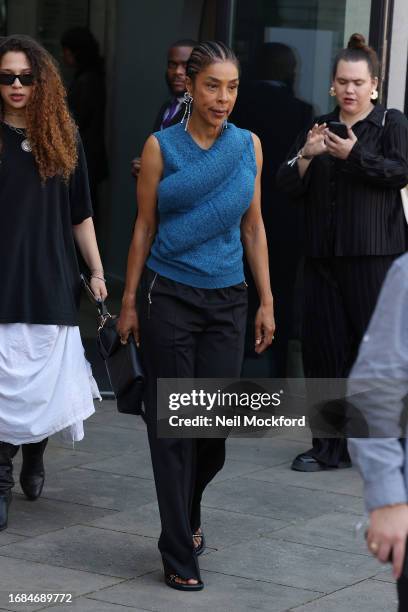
(398, 56)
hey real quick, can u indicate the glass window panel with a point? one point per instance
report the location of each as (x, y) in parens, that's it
(314, 29)
(286, 49)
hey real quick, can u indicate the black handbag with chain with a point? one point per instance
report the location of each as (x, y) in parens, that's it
(122, 361)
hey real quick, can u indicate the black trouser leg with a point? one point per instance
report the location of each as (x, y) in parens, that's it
(326, 343)
(220, 353)
(167, 350)
(172, 326)
(174, 466)
(402, 586)
(32, 471)
(7, 452)
(209, 461)
(340, 296)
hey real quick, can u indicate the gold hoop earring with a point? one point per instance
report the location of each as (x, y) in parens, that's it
(374, 94)
(332, 92)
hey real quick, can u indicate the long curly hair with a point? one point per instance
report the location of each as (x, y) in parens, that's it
(50, 128)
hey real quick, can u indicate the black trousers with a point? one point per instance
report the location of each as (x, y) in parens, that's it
(186, 333)
(340, 294)
(402, 587)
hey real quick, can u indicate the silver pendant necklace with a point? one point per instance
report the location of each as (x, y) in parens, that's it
(25, 144)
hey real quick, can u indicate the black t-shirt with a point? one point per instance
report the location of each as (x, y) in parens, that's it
(39, 275)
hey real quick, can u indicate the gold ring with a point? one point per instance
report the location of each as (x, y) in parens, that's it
(374, 547)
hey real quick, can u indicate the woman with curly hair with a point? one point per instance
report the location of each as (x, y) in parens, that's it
(45, 381)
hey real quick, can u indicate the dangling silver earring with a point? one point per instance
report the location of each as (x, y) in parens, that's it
(187, 100)
(332, 92)
(374, 94)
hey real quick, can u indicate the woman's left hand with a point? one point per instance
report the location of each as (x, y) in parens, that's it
(98, 287)
(264, 327)
(339, 147)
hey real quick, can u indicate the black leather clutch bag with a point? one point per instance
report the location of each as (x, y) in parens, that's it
(122, 361)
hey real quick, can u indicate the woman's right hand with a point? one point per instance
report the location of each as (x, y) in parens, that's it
(315, 144)
(128, 323)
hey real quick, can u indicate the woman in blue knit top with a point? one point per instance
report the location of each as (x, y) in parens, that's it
(198, 205)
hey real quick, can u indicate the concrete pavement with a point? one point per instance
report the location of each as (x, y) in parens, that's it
(277, 540)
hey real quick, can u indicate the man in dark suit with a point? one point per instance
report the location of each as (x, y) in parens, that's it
(171, 112)
(268, 107)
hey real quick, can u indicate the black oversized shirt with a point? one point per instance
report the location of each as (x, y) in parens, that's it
(39, 276)
(353, 206)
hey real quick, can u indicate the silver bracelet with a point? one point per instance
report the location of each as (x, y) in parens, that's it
(98, 277)
(303, 156)
(299, 155)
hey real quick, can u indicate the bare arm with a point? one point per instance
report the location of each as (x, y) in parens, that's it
(143, 235)
(256, 250)
(84, 236)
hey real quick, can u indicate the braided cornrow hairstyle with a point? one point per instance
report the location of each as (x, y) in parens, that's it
(207, 53)
(357, 50)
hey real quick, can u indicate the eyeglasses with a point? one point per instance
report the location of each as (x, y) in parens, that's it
(8, 79)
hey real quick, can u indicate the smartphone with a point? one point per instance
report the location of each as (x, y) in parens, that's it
(338, 128)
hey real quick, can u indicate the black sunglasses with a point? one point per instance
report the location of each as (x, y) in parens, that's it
(8, 79)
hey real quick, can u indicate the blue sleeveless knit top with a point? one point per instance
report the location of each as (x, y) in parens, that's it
(201, 199)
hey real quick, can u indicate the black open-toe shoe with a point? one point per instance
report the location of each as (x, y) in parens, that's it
(201, 547)
(171, 581)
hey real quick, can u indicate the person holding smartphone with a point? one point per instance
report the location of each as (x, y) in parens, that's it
(349, 177)
(45, 381)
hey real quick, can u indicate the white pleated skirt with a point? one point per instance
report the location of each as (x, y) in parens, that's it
(46, 384)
